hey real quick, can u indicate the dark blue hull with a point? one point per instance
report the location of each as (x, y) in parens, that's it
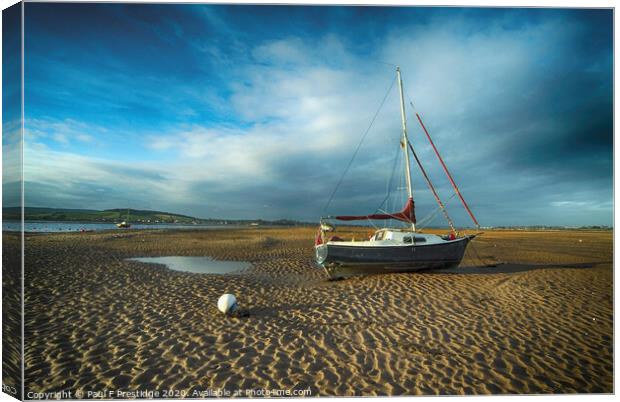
(348, 260)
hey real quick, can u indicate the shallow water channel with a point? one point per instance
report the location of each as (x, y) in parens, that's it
(200, 265)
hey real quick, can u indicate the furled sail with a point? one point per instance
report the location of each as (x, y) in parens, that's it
(406, 215)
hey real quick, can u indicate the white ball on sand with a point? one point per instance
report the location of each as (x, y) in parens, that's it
(227, 303)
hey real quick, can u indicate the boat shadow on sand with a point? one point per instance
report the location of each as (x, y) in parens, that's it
(511, 268)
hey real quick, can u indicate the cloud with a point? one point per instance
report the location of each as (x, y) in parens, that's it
(281, 52)
(577, 204)
(11, 162)
(62, 179)
(62, 132)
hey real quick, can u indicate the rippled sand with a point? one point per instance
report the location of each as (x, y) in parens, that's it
(539, 321)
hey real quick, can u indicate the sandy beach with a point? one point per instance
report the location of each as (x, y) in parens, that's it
(527, 312)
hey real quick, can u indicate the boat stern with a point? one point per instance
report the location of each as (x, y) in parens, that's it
(320, 253)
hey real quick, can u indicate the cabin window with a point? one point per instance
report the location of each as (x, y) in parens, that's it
(418, 239)
(379, 235)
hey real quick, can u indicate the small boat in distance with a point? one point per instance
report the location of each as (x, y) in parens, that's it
(124, 224)
(394, 249)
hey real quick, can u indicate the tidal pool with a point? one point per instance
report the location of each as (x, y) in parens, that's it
(200, 265)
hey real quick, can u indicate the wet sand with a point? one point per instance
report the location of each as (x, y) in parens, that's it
(527, 312)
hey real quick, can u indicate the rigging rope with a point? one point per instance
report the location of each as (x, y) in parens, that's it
(390, 182)
(445, 168)
(484, 263)
(430, 185)
(427, 219)
(359, 145)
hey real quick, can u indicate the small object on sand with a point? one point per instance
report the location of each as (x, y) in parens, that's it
(227, 303)
(580, 240)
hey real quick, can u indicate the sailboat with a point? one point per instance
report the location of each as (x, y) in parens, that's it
(391, 250)
(124, 224)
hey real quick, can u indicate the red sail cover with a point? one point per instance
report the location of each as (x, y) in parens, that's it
(406, 215)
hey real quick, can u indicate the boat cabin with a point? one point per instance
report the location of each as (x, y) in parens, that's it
(403, 237)
(394, 237)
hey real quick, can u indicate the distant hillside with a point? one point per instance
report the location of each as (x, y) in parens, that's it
(90, 215)
(120, 214)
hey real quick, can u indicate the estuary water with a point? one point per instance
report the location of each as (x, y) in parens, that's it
(56, 227)
(200, 265)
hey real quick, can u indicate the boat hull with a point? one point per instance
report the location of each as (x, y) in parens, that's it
(348, 260)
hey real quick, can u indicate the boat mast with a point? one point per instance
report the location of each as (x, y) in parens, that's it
(405, 139)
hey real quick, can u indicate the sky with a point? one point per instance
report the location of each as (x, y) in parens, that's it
(253, 112)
